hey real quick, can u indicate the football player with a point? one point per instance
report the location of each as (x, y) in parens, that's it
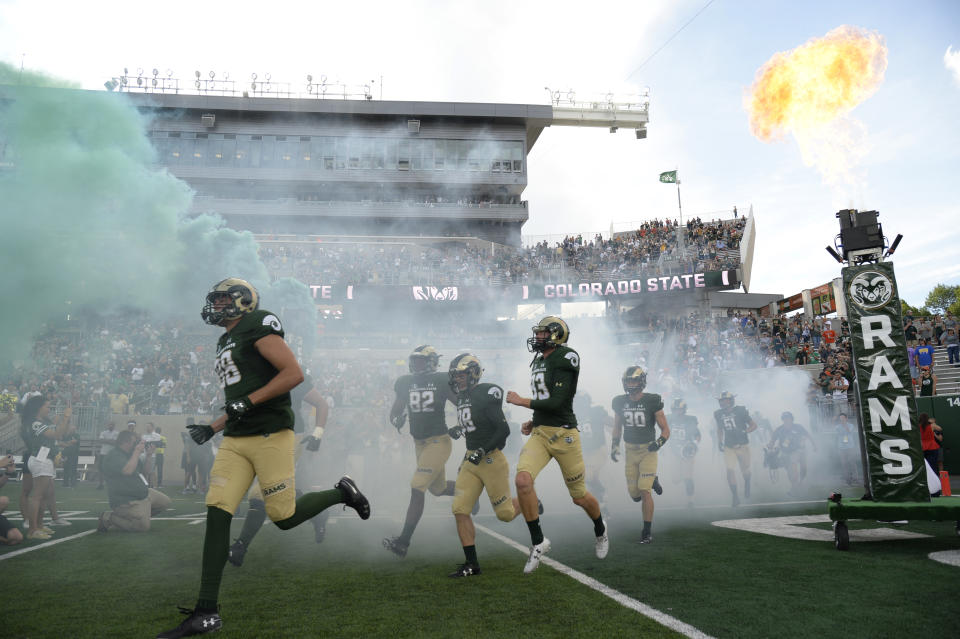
(554, 372)
(593, 421)
(636, 416)
(480, 419)
(684, 429)
(257, 371)
(422, 396)
(790, 439)
(733, 424)
(256, 512)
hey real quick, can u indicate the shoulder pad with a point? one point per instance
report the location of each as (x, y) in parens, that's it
(493, 392)
(571, 357)
(263, 322)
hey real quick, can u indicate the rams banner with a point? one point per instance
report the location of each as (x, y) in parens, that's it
(887, 407)
(520, 293)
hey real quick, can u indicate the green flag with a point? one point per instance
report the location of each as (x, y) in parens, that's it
(670, 177)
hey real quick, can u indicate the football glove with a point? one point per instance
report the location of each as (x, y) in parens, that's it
(456, 432)
(237, 408)
(476, 456)
(399, 421)
(200, 433)
(655, 446)
(615, 451)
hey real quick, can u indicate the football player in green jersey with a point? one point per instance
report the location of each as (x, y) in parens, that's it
(422, 396)
(733, 424)
(593, 421)
(684, 429)
(257, 370)
(480, 419)
(256, 512)
(636, 415)
(554, 370)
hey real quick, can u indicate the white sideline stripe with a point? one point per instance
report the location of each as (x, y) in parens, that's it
(54, 542)
(628, 602)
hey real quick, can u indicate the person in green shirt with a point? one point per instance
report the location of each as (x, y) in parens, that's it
(554, 372)
(126, 469)
(257, 371)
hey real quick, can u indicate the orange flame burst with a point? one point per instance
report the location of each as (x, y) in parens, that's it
(811, 86)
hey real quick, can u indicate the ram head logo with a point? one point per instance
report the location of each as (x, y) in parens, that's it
(870, 290)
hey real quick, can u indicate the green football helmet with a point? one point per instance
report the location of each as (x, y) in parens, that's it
(424, 359)
(634, 379)
(465, 372)
(557, 333)
(229, 299)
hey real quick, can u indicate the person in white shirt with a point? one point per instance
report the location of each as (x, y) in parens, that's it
(106, 439)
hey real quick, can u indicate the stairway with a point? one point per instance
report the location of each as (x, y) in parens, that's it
(948, 377)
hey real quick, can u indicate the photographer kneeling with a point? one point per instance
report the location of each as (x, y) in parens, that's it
(133, 502)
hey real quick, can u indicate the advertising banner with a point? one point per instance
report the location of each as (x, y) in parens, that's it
(887, 407)
(574, 291)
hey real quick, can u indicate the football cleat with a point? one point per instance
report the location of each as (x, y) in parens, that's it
(59, 521)
(466, 570)
(396, 546)
(237, 552)
(603, 542)
(657, 488)
(352, 496)
(536, 553)
(198, 623)
(646, 538)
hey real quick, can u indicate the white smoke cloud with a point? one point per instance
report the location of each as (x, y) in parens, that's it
(951, 60)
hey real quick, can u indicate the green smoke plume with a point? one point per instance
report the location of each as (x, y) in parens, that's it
(89, 219)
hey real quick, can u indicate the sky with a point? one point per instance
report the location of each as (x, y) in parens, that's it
(587, 180)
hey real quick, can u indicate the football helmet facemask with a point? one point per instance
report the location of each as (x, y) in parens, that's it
(424, 359)
(557, 333)
(228, 300)
(634, 380)
(465, 372)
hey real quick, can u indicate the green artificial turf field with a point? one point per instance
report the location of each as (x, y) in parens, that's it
(723, 582)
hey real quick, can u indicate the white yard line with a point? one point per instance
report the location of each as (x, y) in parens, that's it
(629, 602)
(53, 542)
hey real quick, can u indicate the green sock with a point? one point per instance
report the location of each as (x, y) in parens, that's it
(216, 545)
(309, 506)
(470, 553)
(253, 521)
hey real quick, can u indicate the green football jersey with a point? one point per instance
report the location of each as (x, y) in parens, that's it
(638, 416)
(426, 396)
(480, 414)
(683, 428)
(733, 423)
(242, 370)
(553, 382)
